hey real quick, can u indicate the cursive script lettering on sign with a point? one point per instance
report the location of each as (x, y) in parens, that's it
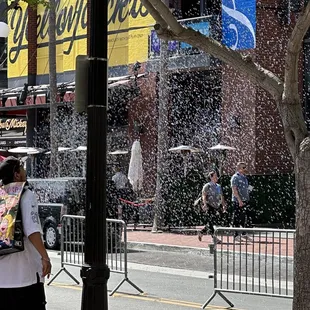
(70, 19)
(13, 123)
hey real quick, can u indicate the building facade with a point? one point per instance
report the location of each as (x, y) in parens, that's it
(209, 102)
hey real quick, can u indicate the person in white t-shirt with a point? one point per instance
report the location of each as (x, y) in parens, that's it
(120, 180)
(22, 273)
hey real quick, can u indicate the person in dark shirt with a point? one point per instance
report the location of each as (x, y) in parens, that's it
(213, 203)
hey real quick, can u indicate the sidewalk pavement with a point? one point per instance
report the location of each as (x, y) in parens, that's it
(186, 241)
(182, 240)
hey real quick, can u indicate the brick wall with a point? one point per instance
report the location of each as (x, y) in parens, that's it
(238, 119)
(272, 155)
(143, 110)
(260, 139)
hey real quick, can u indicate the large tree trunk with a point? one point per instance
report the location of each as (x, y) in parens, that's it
(53, 89)
(302, 245)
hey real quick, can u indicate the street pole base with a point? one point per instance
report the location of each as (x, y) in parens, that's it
(94, 294)
(95, 275)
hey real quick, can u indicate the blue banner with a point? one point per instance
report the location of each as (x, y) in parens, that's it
(155, 43)
(239, 24)
(203, 27)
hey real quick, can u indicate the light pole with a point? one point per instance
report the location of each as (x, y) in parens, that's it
(95, 273)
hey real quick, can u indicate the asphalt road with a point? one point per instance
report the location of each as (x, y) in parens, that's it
(169, 281)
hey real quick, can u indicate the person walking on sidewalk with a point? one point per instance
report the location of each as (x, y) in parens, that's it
(213, 203)
(22, 273)
(240, 200)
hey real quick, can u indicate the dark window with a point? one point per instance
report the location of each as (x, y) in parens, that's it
(118, 108)
(190, 8)
(196, 8)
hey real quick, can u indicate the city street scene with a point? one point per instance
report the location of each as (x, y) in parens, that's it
(154, 154)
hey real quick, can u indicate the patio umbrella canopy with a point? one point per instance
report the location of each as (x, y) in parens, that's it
(119, 152)
(135, 171)
(185, 148)
(26, 150)
(61, 149)
(222, 147)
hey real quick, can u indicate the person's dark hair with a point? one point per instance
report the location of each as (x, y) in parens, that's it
(211, 174)
(7, 169)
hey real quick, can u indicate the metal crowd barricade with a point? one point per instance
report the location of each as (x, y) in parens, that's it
(72, 247)
(259, 263)
(117, 251)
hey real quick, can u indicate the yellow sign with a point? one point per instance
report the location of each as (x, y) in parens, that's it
(129, 30)
(12, 123)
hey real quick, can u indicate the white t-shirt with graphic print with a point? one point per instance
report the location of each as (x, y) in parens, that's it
(20, 269)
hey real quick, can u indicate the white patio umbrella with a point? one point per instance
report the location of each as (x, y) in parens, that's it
(221, 147)
(119, 152)
(184, 150)
(61, 149)
(135, 171)
(26, 150)
(81, 148)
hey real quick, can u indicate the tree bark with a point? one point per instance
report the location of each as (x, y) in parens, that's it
(53, 89)
(302, 244)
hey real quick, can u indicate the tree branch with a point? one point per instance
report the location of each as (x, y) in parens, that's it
(291, 91)
(166, 14)
(290, 110)
(151, 9)
(257, 74)
(13, 5)
(263, 77)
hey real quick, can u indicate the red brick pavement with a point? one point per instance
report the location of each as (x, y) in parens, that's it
(169, 239)
(275, 246)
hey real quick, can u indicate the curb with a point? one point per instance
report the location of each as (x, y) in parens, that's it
(143, 246)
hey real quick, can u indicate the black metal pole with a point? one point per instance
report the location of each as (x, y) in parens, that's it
(95, 272)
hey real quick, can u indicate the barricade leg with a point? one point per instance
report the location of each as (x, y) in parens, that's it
(209, 300)
(67, 272)
(134, 286)
(117, 287)
(213, 295)
(128, 281)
